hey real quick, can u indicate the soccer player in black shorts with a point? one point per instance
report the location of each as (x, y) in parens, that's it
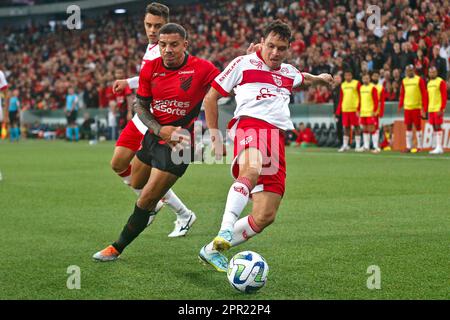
(169, 98)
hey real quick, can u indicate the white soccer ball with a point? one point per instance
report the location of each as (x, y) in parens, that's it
(247, 271)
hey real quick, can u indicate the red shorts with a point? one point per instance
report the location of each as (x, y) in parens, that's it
(413, 117)
(255, 133)
(434, 119)
(367, 121)
(130, 137)
(350, 119)
(376, 121)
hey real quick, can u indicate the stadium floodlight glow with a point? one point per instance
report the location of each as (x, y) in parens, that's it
(120, 11)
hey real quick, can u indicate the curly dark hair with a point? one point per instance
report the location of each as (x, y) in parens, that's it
(280, 28)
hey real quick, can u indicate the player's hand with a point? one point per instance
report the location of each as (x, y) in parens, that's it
(175, 137)
(254, 48)
(440, 114)
(423, 114)
(326, 78)
(129, 115)
(119, 86)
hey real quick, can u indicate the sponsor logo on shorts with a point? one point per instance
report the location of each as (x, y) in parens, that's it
(246, 141)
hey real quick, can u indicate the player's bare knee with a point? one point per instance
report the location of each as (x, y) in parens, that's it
(250, 173)
(136, 184)
(147, 201)
(118, 166)
(264, 219)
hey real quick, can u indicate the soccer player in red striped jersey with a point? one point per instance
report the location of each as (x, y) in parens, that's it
(262, 84)
(130, 139)
(169, 98)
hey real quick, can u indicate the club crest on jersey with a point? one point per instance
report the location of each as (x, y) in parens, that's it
(256, 63)
(277, 79)
(185, 83)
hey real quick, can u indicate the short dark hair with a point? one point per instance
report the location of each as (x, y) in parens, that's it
(280, 28)
(171, 28)
(158, 9)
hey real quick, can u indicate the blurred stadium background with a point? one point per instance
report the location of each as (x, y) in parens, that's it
(342, 213)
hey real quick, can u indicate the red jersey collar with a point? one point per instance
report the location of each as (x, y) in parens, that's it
(258, 53)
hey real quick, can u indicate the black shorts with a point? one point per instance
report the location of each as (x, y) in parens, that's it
(72, 117)
(13, 118)
(160, 156)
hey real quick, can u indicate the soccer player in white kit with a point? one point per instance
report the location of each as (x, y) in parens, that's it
(262, 84)
(3, 98)
(129, 142)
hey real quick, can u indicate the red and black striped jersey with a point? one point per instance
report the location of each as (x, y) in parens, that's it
(177, 94)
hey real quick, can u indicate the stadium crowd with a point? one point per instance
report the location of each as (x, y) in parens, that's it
(329, 36)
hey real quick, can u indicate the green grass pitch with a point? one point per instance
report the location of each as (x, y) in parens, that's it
(60, 203)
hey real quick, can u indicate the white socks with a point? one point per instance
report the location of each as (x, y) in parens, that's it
(358, 141)
(439, 140)
(346, 140)
(409, 139)
(375, 139)
(236, 201)
(172, 200)
(366, 138)
(419, 139)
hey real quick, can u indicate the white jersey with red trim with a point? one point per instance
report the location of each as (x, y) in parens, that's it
(261, 92)
(3, 87)
(151, 53)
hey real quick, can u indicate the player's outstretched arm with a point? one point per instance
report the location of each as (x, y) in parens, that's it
(141, 107)
(323, 78)
(212, 121)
